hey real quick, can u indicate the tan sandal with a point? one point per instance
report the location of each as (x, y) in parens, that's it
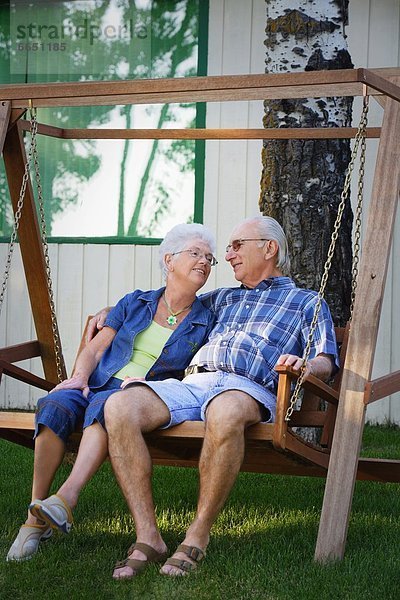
(137, 565)
(192, 552)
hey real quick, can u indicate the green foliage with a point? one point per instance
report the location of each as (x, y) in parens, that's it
(261, 548)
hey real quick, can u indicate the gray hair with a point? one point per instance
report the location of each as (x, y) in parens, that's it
(270, 229)
(179, 235)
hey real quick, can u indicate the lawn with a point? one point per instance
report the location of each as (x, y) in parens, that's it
(262, 544)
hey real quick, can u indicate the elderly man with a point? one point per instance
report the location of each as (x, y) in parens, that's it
(231, 385)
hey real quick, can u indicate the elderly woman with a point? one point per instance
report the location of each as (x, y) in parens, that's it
(148, 335)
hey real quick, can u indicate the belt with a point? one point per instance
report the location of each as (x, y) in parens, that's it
(192, 369)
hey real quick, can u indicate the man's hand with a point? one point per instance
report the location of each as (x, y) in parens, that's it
(291, 360)
(96, 323)
(321, 366)
(76, 382)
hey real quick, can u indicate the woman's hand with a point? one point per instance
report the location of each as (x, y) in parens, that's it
(76, 382)
(129, 380)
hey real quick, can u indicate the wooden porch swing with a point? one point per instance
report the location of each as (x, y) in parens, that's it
(274, 448)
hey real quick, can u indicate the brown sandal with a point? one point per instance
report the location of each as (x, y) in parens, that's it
(196, 554)
(139, 565)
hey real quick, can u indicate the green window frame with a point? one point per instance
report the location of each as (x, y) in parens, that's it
(199, 145)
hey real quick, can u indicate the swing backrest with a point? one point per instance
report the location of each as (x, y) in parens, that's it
(342, 338)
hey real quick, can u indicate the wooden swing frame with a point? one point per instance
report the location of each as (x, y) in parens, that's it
(269, 448)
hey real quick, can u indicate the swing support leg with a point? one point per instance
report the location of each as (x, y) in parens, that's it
(362, 341)
(31, 248)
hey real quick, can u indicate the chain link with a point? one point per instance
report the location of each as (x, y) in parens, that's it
(358, 215)
(54, 326)
(17, 219)
(359, 140)
(32, 154)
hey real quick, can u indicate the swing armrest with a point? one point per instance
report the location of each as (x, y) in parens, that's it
(315, 418)
(311, 383)
(22, 375)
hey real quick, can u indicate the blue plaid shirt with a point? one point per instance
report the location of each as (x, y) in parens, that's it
(255, 326)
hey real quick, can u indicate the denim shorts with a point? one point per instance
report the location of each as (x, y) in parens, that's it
(64, 410)
(187, 400)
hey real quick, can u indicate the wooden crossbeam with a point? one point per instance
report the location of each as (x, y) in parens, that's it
(202, 134)
(311, 84)
(382, 387)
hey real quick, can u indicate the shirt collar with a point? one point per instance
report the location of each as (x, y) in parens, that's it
(272, 282)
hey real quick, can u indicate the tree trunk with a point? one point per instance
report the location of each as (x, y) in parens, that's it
(302, 180)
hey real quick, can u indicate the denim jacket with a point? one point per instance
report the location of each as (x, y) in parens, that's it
(134, 313)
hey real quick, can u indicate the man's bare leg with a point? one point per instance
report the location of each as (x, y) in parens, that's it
(228, 415)
(129, 414)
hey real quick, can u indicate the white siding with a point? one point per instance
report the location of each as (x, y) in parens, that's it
(88, 277)
(373, 36)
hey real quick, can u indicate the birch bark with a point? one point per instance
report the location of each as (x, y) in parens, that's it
(302, 180)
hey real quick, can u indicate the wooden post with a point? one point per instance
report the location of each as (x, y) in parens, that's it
(5, 110)
(362, 341)
(31, 251)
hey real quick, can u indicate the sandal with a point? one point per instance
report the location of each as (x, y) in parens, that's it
(139, 565)
(196, 554)
(54, 511)
(27, 542)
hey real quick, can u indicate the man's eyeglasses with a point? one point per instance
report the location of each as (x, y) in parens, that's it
(236, 244)
(212, 261)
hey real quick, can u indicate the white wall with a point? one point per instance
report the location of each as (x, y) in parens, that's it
(91, 276)
(374, 41)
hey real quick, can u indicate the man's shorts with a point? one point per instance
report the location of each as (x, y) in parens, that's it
(187, 400)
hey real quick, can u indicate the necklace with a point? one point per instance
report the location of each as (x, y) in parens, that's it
(172, 320)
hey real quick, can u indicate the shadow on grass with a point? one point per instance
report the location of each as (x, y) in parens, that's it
(276, 562)
(262, 544)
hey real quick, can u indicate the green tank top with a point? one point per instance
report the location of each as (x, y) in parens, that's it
(148, 346)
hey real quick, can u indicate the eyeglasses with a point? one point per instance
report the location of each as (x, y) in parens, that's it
(212, 261)
(236, 244)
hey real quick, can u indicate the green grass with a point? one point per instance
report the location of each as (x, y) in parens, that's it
(262, 544)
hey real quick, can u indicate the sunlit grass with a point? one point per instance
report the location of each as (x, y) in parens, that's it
(262, 544)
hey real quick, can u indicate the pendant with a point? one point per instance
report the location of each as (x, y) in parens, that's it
(172, 320)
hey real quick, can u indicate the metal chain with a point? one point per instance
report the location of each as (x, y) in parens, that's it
(17, 219)
(360, 135)
(358, 215)
(54, 326)
(32, 153)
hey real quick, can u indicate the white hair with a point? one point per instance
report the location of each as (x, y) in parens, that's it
(270, 229)
(179, 235)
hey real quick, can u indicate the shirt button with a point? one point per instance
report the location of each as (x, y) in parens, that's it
(165, 351)
(151, 373)
(257, 290)
(221, 364)
(247, 306)
(239, 324)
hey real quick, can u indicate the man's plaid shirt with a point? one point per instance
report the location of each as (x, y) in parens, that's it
(255, 326)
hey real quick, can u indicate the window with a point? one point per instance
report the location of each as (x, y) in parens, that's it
(117, 189)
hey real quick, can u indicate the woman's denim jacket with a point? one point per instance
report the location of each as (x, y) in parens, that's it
(134, 313)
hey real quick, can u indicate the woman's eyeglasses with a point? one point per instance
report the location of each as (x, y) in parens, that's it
(212, 261)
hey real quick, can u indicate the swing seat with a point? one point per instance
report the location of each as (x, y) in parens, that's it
(275, 448)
